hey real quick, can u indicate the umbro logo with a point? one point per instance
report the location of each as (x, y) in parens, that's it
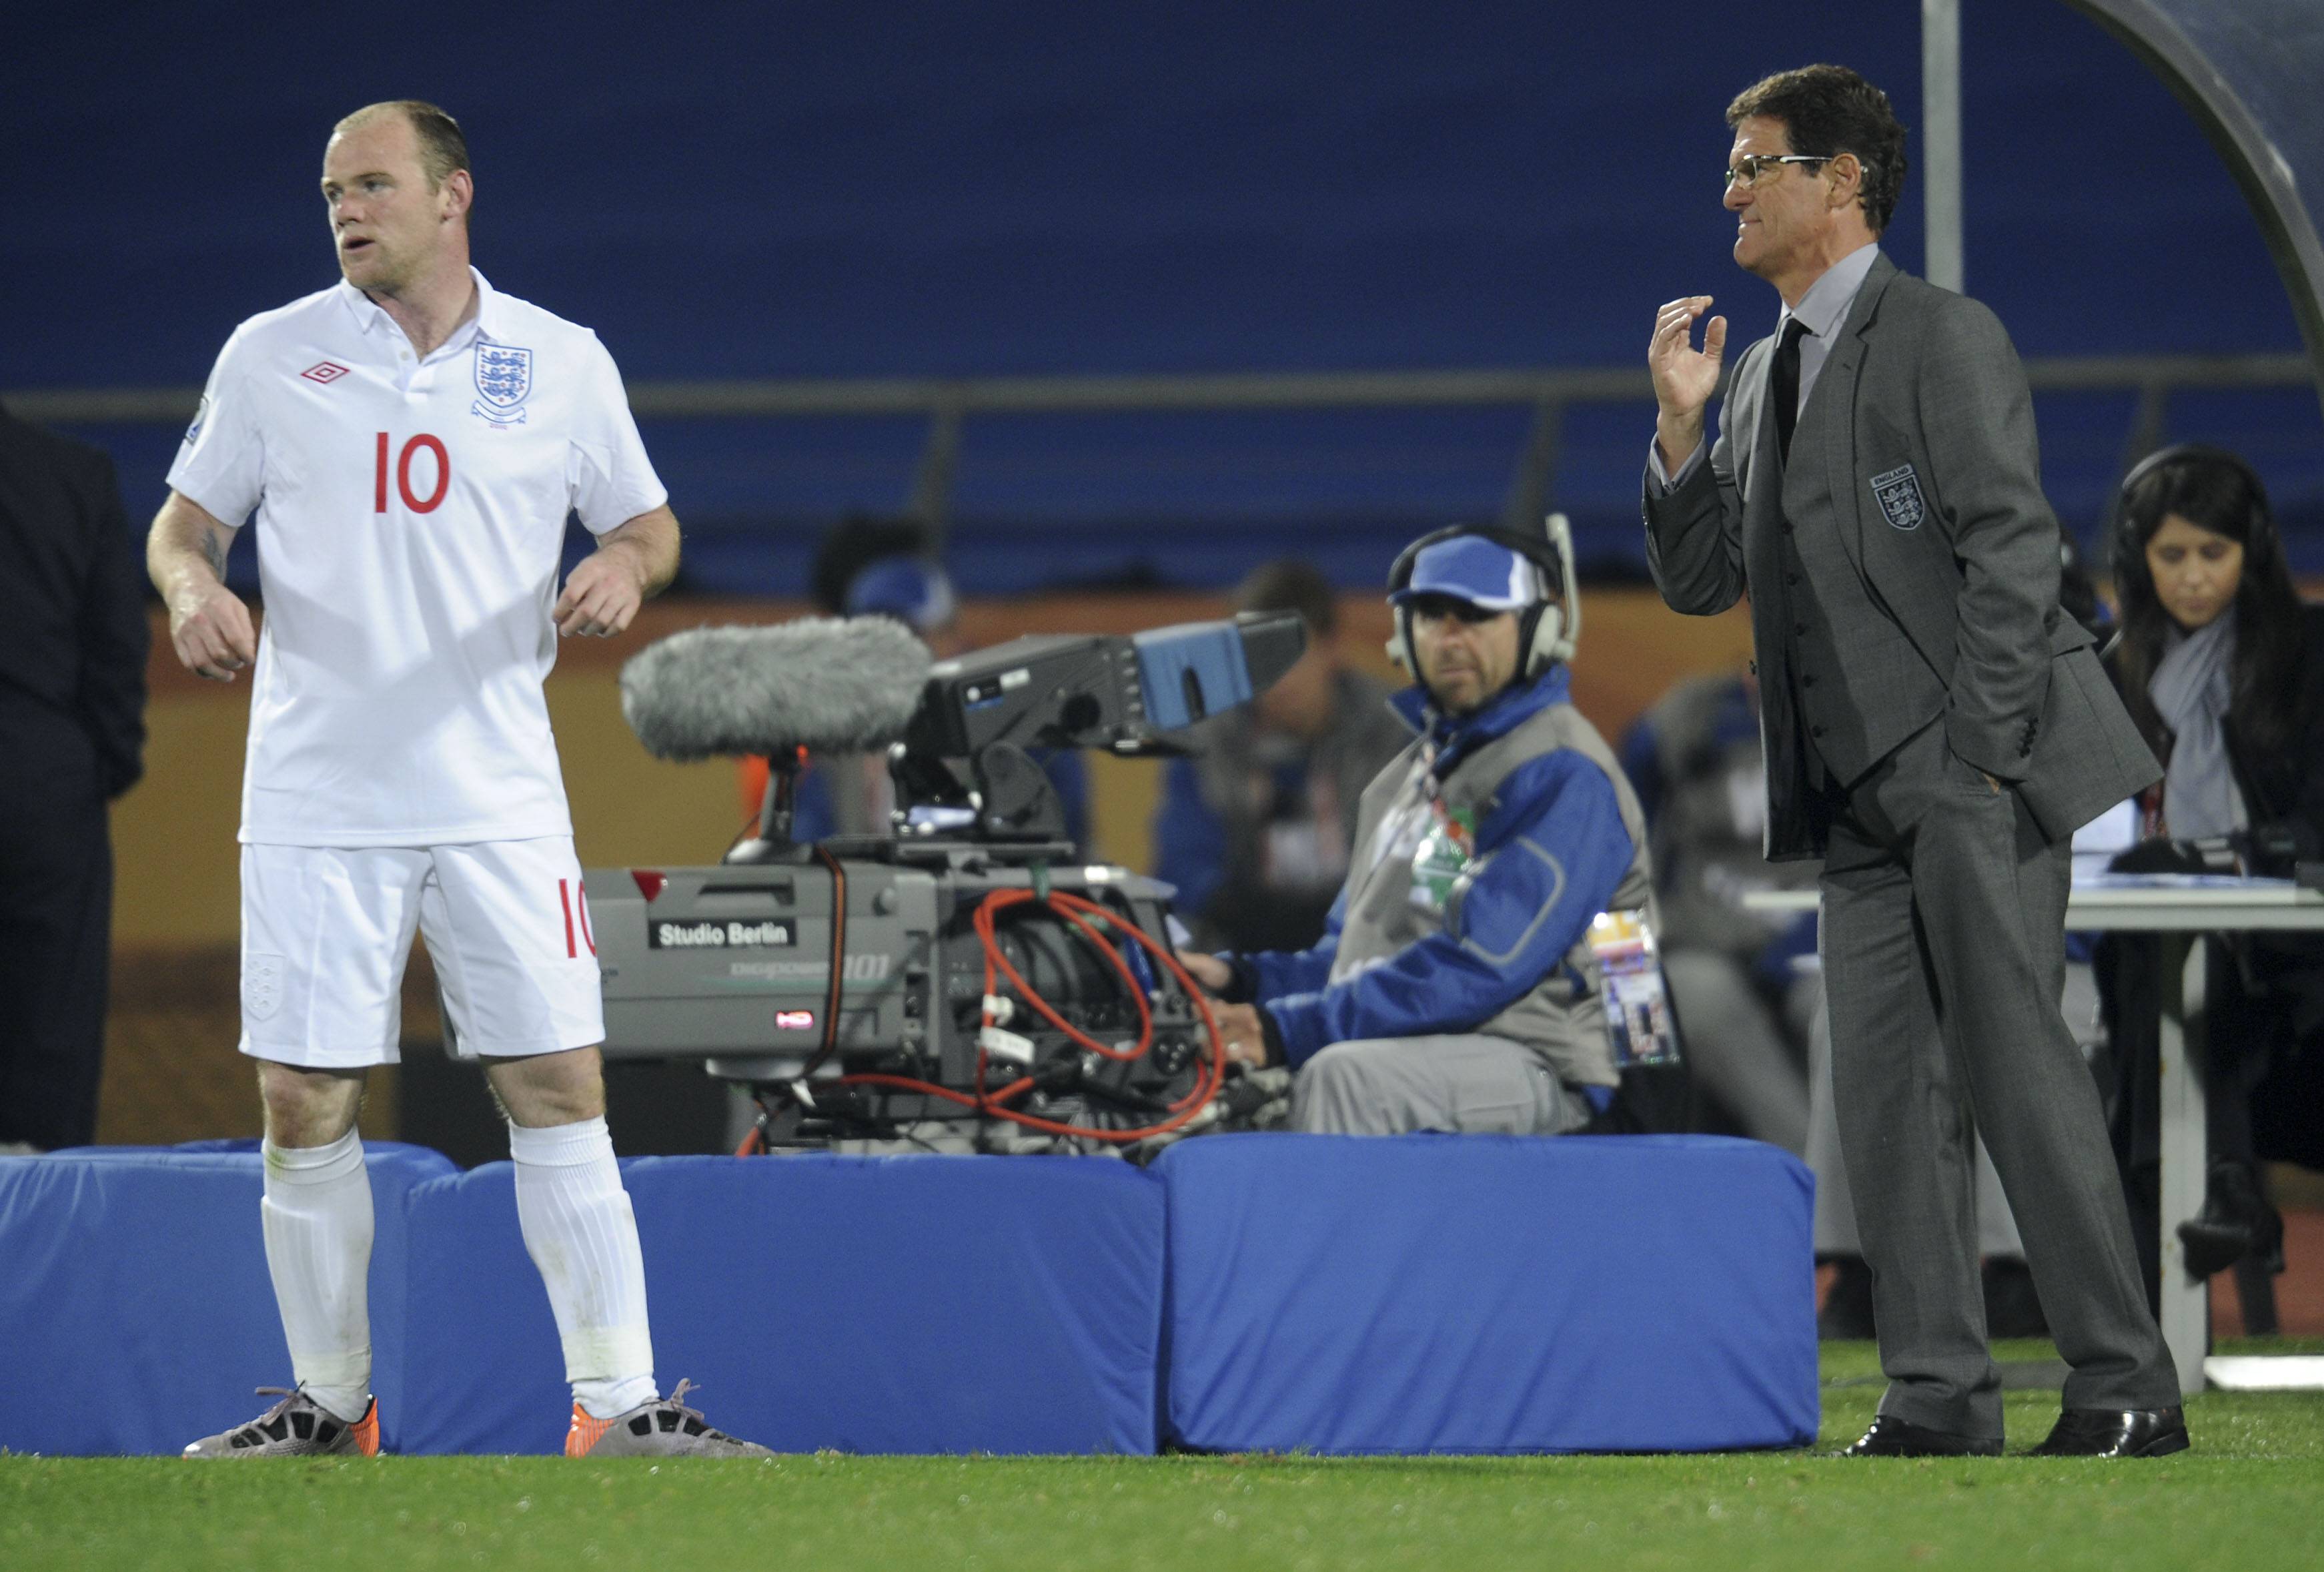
(324, 371)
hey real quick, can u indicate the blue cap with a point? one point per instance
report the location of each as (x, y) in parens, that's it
(912, 589)
(1484, 573)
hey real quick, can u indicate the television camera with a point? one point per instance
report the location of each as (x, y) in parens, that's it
(964, 981)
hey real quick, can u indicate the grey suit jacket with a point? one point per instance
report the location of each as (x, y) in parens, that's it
(1938, 485)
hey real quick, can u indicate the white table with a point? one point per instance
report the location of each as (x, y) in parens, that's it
(2181, 909)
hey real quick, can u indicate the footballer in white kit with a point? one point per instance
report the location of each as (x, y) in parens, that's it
(408, 445)
(410, 514)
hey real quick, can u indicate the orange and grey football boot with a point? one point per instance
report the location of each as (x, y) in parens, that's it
(297, 1427)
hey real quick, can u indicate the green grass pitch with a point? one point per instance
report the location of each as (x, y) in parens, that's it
(2251, 1494)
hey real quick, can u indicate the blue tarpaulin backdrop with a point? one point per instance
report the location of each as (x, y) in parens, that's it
(1419, 1294)
(919, 1304)
(135, 1313)
(1489, 1294)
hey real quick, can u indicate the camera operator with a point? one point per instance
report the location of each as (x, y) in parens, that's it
(1454, 988)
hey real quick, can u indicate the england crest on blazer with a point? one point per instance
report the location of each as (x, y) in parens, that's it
(1898, 492)
(504, 378)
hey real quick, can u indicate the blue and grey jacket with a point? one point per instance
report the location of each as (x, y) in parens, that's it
(1482, 853)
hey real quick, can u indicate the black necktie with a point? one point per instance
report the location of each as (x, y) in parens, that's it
(1784, 386)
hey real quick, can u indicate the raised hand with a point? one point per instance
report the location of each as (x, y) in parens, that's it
(1684, 376)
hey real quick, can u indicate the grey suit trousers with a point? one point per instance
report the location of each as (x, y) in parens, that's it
(1835, 1202)
(1944, 953)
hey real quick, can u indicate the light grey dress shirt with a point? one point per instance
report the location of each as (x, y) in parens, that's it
(1822, 310)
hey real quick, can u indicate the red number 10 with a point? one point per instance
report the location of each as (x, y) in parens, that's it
(434, 499)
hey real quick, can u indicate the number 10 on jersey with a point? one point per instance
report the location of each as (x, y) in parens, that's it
(423, 443)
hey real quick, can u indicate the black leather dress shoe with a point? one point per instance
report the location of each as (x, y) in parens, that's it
(1891, 1437)
(2115, 1433)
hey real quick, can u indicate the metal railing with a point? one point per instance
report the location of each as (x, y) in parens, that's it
(948, 402)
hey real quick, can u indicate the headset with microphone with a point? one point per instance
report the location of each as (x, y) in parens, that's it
(1546, 632)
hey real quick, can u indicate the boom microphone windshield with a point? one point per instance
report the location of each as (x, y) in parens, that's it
(825, 684)
(858, 685)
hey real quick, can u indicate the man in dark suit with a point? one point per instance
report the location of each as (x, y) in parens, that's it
(1936, 729)
(72, 703)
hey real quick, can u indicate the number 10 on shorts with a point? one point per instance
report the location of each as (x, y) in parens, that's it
(576, 899)
(423, 443)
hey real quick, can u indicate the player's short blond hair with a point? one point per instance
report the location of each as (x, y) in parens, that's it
(442, 148)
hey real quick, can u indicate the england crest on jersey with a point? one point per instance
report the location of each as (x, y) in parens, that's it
(504, 378)
(1898, 492)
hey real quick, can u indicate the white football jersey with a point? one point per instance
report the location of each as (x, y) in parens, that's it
(410, 516)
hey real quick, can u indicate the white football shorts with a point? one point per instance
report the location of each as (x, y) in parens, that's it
(326, 931)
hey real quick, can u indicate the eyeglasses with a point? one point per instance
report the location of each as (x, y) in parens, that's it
(1747, 171)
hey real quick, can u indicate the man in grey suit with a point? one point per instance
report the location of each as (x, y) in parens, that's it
(1935, 728)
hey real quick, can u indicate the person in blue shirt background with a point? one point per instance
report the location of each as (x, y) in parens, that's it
(1456, 987)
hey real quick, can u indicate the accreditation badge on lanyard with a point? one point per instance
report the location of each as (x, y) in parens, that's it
(1639, 1023)
(1447, 846)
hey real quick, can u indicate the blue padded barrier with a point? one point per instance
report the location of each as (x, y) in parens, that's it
(135, 1312)
(1433, 1293)
(901, 1304)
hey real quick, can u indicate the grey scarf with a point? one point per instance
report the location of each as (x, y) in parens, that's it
(2190, 692)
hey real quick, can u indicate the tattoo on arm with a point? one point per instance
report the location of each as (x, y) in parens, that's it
(214, 553)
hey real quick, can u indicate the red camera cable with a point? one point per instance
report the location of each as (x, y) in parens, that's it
(1074, 909)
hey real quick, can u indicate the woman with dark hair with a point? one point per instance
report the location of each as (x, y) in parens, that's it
(2221, 665)
(2218, 659)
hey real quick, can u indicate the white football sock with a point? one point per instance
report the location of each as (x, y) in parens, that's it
(318, 1221)
(582, 1234)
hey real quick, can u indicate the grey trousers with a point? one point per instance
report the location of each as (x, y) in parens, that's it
(1944, 958)
(1835, 1203)
(1465, 1085)
(1835, 1206)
